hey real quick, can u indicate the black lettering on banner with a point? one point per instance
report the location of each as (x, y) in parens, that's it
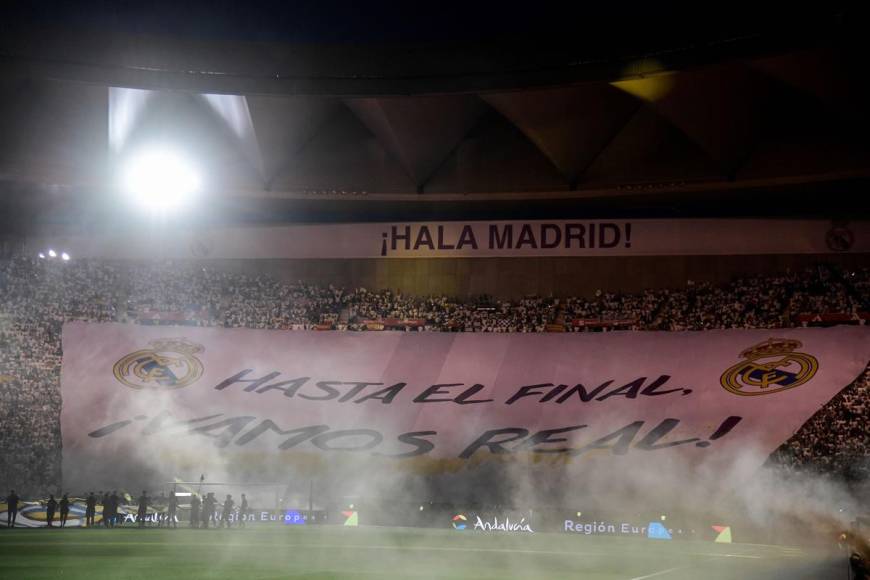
(527, 391)
(659, 431)
(466, 238)
(227, 429)
(503, 241)
(495, 446)
(615, 235)
(109, 429)
(395, 237)
(650, 390)
(553, 392)
(424, 238)
(326, 387)
(355, 390)
(289, 391)
(623, 436)
(628, 391)
(575, 232)
(423, 446)
(265, 425)
(527, 237)
(721, 431)
(465, 397)
(546, 242)
(424, 397)
(580, 390)
(542, 437)
(442, 245)
(237, 378)
(320, 441)
(385, 395)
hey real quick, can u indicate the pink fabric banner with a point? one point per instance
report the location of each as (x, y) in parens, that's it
(134, 394)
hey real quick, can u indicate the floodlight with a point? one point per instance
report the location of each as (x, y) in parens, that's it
(64, 256)
(41, 255)
(160, 179)
(52, 254)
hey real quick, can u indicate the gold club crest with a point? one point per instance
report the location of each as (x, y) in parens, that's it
(770, 367)
(169, 364)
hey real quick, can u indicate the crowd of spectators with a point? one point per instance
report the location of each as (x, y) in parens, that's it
(837, 438)
(38, 295)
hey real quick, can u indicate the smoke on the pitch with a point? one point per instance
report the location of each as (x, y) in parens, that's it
(690, 491)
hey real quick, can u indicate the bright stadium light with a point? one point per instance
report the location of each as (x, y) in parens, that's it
(65, 257)
(41, 256)
(160, 180)
(52, 254)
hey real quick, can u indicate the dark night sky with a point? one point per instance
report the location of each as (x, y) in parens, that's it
(620, 25)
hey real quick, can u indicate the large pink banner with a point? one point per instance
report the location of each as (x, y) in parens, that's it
(181, 397)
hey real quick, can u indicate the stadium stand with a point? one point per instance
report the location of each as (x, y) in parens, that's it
(38, 295)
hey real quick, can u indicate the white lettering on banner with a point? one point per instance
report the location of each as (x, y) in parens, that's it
(153, 518)
(475, 240)
(591, 528)
(502, 526)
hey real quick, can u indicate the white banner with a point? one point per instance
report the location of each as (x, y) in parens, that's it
(475, 239)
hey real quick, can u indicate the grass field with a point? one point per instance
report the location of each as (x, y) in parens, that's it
(337, 552)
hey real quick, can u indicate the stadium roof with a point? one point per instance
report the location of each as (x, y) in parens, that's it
(345, 130)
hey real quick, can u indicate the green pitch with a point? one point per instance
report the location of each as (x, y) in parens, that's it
(387, 553)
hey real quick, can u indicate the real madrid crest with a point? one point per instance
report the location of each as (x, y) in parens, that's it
(770, 367)
(169, 364)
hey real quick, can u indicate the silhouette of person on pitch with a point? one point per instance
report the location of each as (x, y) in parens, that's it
(195, 502)
(243, 510)
(143, 508)
(90, 509)
(50, 508)
(64, 510)
(208, 509)
(228, 511)
(11, 508)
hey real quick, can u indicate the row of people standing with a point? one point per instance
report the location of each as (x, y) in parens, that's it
(111, 502)
(51, 508)
(203, 512)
